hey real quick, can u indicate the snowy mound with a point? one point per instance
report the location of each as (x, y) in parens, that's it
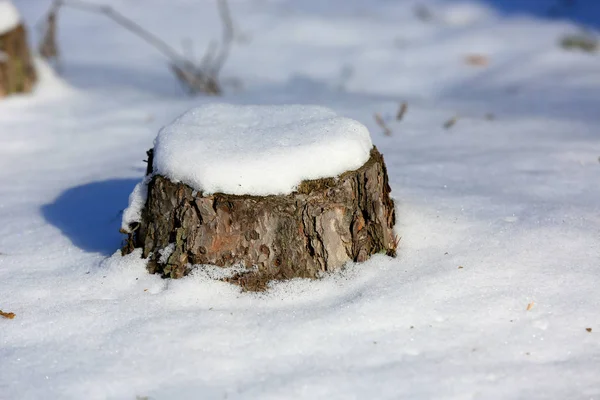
(9, 16)
(258, 150)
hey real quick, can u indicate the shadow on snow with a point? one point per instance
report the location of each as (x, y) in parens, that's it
(90, 215)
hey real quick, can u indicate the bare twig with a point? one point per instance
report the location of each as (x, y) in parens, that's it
(379, 120)
(48, 48)
(401, 111)
(226, 38)
(203, 77)
(209, 55)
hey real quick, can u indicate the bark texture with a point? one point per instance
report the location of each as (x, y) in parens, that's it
(318, 228)
(17, 72)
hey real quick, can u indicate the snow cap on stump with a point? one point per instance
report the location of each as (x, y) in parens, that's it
(258, 150)
(280, 191)
(9, 16)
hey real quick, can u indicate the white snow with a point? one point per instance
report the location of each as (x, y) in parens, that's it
(512, 199)
(258, 150)
(9, 16)
(137, 201)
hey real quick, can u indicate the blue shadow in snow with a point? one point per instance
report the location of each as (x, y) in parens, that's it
(90, 215)
(583, 12)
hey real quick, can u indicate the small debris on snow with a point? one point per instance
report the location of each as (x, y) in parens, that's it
(258, 150)
(477, 60)
(588, 329)
(530, 306)
(450, 123)
(423, 13)
(579, 41)
(213, 272)
(8, 315)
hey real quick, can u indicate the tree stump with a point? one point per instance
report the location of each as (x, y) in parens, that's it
(325, 224)
(17, 72)
(317, 226)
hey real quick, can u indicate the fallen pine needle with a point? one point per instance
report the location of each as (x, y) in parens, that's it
(8, 315)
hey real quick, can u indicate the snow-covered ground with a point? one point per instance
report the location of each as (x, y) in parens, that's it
(497, 278)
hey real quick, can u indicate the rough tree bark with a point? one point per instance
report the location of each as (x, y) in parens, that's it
(318, 228)
(17, 72)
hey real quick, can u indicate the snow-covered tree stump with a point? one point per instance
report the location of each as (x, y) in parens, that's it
(17, 72)
(225, 187)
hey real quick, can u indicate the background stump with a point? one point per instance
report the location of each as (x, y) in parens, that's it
(17, 72)
(318, 228)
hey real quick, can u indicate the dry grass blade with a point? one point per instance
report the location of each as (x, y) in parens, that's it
(530, 306)
(379, 120)
(397, 240)
(401, 111)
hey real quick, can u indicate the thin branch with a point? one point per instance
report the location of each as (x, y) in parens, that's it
(197, 78)
(126, 23)
(226, 39)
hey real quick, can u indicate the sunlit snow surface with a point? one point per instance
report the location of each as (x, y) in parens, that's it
(513, 199)
(258, 150)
